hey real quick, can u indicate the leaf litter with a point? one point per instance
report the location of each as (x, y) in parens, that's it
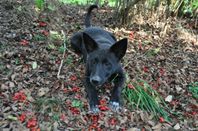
(32, 97)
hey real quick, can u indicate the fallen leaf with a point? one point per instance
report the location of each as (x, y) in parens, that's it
(169, 98)
(133, 129)
(157, 127)
(11, 84)
(4, 87)
(43, 91)
(177, 126)
(34, 65)
(11, 117)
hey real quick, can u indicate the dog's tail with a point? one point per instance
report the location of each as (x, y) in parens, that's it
(88, 15)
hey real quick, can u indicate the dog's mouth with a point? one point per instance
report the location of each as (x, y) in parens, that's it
(97, 85)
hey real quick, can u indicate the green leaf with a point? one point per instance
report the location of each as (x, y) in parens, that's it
(17, 61)
(77, 103)
(10, 117)
(69, 60)
(193, 88)
(156, 50)
(55, 117)
(34, 65)
(61, 49)
(19, 8)
(51, 7)
(51, 46)
(55, 35)
(38, 37)
(39, 3)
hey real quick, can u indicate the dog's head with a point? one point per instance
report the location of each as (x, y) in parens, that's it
(102, 63)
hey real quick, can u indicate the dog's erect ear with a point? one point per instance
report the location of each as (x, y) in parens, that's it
(119, 48)
(89, 43)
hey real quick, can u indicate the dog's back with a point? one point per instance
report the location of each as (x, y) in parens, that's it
(102, 37)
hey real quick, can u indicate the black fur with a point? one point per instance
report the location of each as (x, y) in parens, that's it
(101, 53)
(87, 18)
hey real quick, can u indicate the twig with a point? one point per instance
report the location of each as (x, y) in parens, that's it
(61, 64)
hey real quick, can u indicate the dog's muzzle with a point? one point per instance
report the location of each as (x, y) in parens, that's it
(96, 80)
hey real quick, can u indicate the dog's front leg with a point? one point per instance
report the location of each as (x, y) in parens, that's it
(92, 96)
(116, 92)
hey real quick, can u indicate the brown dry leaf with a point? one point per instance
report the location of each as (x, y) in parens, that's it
(46, 126)
(177, 126)
(147, 128)
(13, 76)
(43, 91)
(152, 123)
(55, 126)
(144, 116)
(11, 84)
(133, 129)
(4, 87)
(157, 127)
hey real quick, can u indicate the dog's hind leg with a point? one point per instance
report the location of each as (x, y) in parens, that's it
(116, 92)
(76, 41)
(77, 44)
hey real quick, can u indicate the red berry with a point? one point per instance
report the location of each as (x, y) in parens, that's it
(22, 117)
(103, 108)
(75, 89)
(24, 42)
(161, 119)
(73, 78)
(145, 69)
(31, 123)
(44, 32)
(42, 24)
(112, 121)
(130, 86)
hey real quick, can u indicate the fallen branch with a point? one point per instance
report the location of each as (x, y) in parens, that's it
(64, 45)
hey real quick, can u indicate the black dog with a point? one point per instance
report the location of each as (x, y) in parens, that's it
(102, 54)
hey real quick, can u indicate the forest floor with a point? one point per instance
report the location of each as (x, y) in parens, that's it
(31, 53)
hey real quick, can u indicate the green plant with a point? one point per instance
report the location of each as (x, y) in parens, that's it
(54, 35)
(153, 52)
(69, 60)
(186, 7)
(61, 49)
(39, 4)
(17, 61)
(141, 95)
(194, 4)
(51, 7)
(77, 103)
(193, 88)
(38, 37)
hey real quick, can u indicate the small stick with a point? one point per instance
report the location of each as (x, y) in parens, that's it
(61, 64)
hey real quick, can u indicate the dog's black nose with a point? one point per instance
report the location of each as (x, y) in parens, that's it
(95, 80)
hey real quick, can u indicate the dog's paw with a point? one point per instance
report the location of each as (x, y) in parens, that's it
(94, 110)
(115, 106)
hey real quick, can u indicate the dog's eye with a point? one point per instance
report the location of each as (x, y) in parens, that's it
(107, 64)
(94, 61)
